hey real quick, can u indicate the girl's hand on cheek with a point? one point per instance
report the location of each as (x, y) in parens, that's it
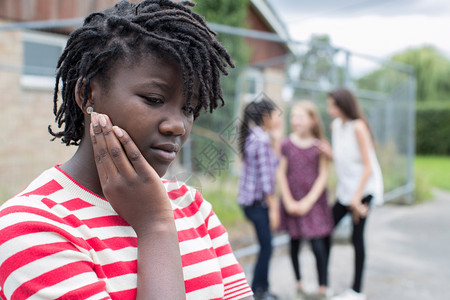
(137, 194)
(129, 183)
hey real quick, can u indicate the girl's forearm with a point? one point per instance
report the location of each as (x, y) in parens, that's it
(283, 185)
(364, 143)
(160, 274)
(319, 185)
(357, 197)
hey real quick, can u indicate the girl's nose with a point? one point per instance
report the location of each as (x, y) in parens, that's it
(173, 124)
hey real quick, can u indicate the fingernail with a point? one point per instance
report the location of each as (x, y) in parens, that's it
(118, 131)
(102, 120)
(94, 118)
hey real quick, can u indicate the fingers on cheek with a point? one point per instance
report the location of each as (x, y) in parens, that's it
(118, 132)
(93, 138)
(131, 150)
(123, 137)
(97, 129)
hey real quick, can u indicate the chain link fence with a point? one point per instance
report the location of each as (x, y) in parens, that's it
(386, 91)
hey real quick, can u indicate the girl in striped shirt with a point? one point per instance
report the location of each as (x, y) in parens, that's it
(104, 225)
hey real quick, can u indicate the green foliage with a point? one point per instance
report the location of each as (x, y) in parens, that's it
(208, 126)
(432, 71)
(232, 13)
(222, 194)
(430, 171)
(318, 60)
(385, 79)
(433, 105)
(432, 131)
(316, 65)
(431, 68)
(422, 189)
(4, 195)
(434, 169)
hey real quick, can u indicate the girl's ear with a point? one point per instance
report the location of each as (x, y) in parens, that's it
(79, 95)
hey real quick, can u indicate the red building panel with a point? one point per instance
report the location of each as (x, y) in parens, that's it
(262, 50)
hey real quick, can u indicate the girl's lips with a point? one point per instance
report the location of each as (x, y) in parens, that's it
(164, 154)
(167, 152)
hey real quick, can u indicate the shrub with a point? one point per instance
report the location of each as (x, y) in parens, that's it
(433, 130)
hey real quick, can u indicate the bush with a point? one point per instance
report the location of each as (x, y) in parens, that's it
(433, 130)
(422, 190)
(222, 194)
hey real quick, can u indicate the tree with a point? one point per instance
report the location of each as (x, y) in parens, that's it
(313, 70)
(232, 13)
(207, 128)
(317, 62)
(431, 68)
(432, 72)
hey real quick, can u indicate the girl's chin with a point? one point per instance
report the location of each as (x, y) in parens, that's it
(160, 169)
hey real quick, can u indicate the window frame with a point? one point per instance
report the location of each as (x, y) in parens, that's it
(40, 82)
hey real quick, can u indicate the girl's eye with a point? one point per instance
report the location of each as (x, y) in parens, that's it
(152, 100)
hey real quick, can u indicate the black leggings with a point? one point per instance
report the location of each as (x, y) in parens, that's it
(339, 211)
(320, 247)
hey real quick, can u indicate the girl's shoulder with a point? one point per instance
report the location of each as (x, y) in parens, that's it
(286, 142)
(359, 123)
(258, 135)
(337, 122)
(285, 145)
(360, 126)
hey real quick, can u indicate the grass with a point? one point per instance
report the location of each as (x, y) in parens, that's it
(222, 194)
(435, 169)
(430, 171)
(433, 104)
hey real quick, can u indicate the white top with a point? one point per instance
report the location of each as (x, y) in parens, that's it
(349, 165)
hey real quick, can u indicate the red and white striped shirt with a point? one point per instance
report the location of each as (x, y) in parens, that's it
(58, 240)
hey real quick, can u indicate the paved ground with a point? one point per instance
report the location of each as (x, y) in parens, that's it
(408, 256)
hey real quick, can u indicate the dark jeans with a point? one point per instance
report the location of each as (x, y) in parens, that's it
(339, 211)
(259, 216)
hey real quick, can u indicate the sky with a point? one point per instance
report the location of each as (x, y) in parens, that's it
(378, 28)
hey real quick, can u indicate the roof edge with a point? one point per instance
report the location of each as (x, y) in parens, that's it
(273, 20)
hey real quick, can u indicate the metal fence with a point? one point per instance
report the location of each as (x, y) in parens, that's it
(386, 91)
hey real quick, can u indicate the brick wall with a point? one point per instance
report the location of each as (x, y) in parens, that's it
(25, 147)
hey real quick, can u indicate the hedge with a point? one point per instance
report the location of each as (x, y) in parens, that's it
(433, 131)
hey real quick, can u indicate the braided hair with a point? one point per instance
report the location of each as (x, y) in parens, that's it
(126, 32)
(253, 115)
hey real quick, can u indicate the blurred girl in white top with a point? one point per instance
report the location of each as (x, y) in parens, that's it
(359, 180)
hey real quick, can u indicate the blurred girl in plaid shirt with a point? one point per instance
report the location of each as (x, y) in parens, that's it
(257, 183)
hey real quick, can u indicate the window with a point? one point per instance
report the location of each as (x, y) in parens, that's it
(40, 56)
(253, 84)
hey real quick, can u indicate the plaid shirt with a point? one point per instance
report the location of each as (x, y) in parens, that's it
(258, 174)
